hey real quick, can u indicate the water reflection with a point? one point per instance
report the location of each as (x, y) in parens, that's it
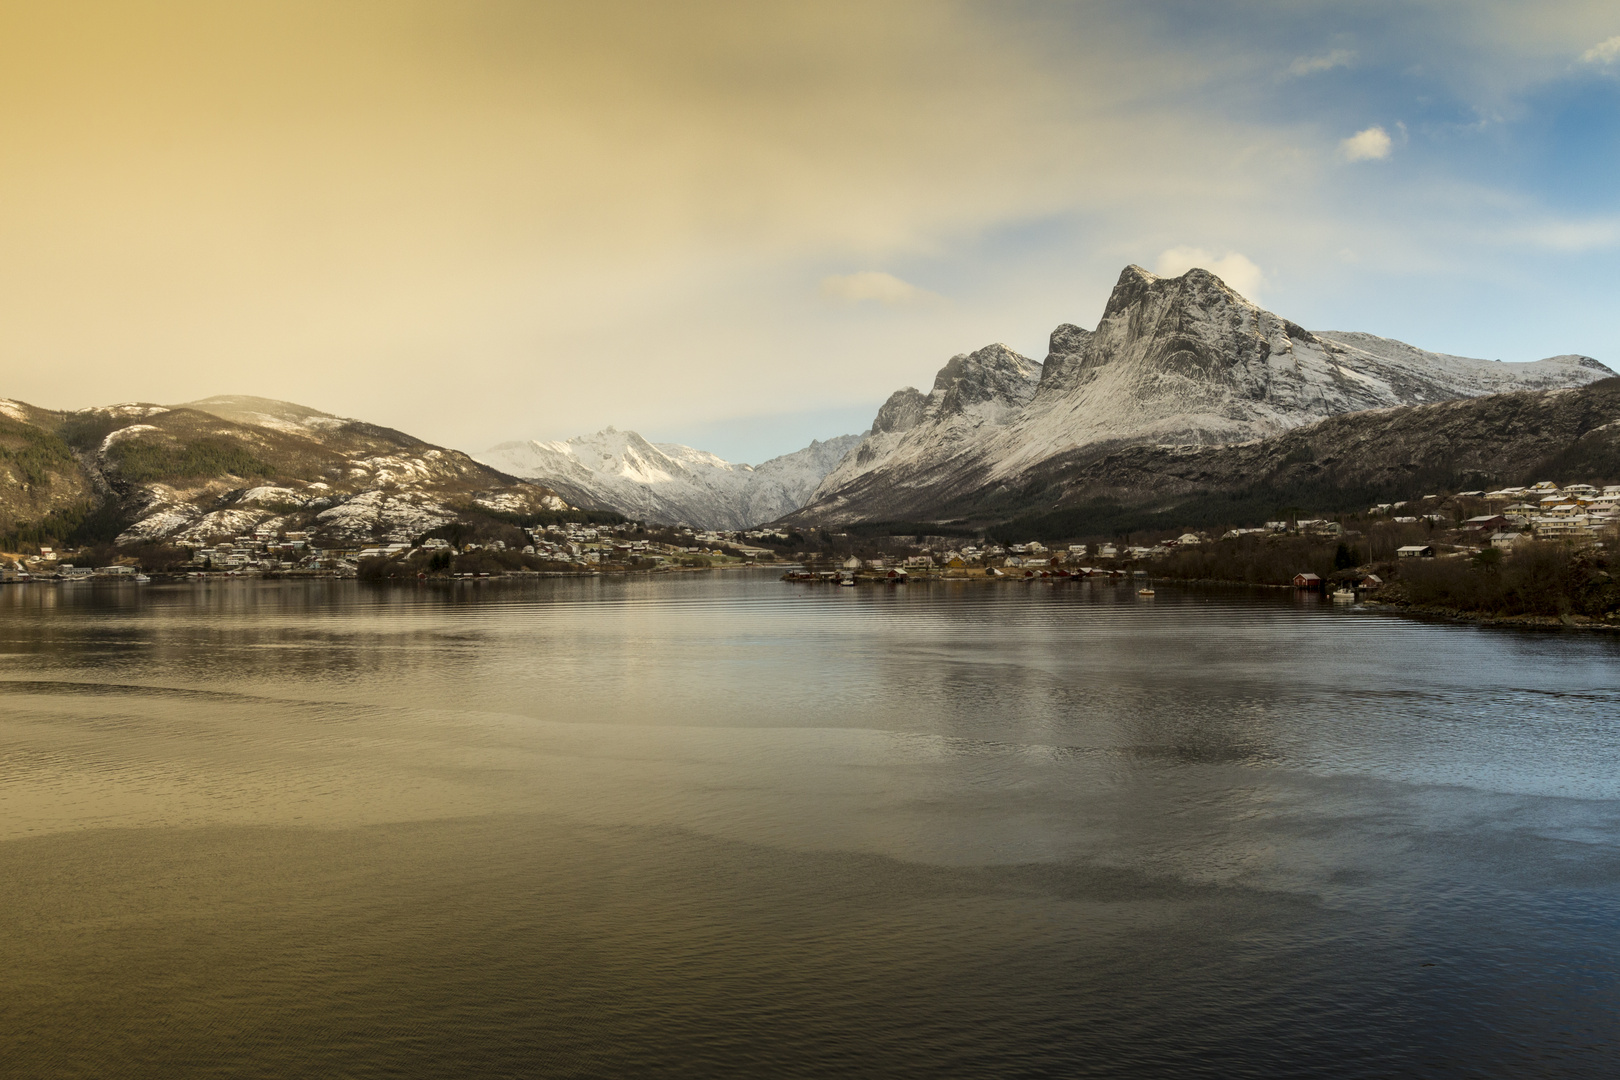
(1153, 814)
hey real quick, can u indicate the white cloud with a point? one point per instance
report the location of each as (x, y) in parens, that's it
(1370, 145)
(1604, 52)
(1310, 65)
(1236, 269)
(876, 285)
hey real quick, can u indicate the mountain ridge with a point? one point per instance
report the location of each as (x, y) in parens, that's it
(1172, 361)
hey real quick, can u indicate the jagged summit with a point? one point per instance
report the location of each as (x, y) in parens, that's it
(1181, 361)
(1066, 349)
(993, 376)
(983, 384)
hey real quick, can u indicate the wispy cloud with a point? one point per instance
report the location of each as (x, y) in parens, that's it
(1373, 144)
(1311, 65)
(1604, 52)
(1234, 268)
(885, 289)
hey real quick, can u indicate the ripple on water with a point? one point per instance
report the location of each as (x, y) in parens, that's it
(728, 826)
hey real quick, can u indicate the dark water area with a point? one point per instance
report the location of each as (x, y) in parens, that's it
(719, 825)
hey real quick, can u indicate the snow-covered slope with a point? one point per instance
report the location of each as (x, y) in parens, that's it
(1182, 361)
(225, 465)
(213, 469)
(668, 482)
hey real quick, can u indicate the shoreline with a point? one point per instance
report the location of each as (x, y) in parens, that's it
(1456, 616)
(1505, 622)
(203, 577)
(1440, 614)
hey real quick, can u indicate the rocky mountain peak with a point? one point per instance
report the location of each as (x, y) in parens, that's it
(903, 411)
(1065, 352)
(993, 374)
(1192, 340)
(1182, 361)
(1132, 288)
(1197, 287)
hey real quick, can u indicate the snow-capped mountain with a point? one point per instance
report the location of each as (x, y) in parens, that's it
(668, 482)
(1173, 361)
(216, 468)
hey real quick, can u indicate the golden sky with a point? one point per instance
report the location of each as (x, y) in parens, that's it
(479, 221)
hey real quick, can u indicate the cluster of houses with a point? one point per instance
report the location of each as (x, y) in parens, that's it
(1575, 513)
(1545, 511)
(47, 567)
(582, 546)
(268, 550)
(1031, 559)
(855, 569)
(586, 547)
(1034, 554)
(264, 550)
(1578, 513)
(1347, 589)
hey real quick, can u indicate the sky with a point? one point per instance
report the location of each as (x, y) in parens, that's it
(742, 226)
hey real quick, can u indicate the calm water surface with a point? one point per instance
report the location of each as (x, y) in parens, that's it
(724, 826)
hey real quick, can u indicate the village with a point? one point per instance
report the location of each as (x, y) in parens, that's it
(1436, 526)
(1456, 525)
(576, 547)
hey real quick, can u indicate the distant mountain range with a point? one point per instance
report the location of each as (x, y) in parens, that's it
(1186, 399)
(668, 482)
(224, 466)
(1180, 362)
(1174, 362)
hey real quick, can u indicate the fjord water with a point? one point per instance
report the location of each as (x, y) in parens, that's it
(721, 825)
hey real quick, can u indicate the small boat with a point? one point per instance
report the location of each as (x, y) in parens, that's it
(1146, 590)
(142, 577)
(1344, 594)
(848, 583)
